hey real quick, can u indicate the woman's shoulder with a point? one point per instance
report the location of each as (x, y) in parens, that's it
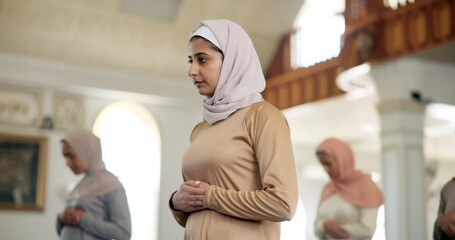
(263, 105)
(199, 125)
(197, 128)
(264, 109)
(449, 186)
(263, 113)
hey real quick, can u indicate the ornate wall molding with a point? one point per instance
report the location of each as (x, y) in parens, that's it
(20, 106)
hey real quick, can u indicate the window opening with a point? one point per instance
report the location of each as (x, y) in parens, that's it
(131, 150)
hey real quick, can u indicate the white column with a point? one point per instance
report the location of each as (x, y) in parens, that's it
(403, 169)
(404, 87)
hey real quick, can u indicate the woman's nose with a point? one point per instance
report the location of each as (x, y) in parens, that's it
(193, 70)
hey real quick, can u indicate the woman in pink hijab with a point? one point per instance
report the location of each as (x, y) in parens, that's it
(349, 202)
(239, 177)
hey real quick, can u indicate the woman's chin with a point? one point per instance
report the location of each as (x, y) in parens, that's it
(205, 93)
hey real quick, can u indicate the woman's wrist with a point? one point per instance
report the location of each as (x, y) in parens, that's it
(171, 202)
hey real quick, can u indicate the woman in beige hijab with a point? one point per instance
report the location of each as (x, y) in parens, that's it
(97, 207)
(239, 173)
(349, 202)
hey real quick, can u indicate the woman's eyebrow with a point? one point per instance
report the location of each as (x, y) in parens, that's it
(198, 54)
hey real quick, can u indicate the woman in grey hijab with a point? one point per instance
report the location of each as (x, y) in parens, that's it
(97, 207)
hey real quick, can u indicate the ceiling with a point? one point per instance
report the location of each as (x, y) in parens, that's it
(154, 9)
(265, 21)
(145, 37)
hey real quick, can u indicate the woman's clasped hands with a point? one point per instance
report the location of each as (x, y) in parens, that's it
(447, 223)
(334, 230)
(71, 216)
(190, 196)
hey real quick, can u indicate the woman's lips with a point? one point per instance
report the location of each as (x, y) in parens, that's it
(198, 83)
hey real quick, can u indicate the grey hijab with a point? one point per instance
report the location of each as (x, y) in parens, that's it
(98, 180)
(241, 79)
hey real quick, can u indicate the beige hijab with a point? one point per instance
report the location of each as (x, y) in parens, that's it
(241, 79)
(352, 185)
(97, 181)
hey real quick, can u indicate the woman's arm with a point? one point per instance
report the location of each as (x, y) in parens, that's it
(58, 225)
(324, 227)
(319, 230)
(188, 198)
(277, 200)
(445, 221)
(118, 226)
(365, 227)
(180, 216)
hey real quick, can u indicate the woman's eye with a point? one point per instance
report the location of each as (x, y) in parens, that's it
(190, 60)
(202, 60)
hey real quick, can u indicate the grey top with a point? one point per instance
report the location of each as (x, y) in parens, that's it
(446, 204)
(106, 217)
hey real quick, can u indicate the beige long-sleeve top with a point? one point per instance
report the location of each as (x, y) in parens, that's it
(359, 222)
(248, 161)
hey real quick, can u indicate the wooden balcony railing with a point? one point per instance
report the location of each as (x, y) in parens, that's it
(303, 85)
(374, 33)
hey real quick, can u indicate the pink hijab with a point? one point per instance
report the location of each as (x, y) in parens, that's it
(241, 79)
(352, 185)
(97, 181)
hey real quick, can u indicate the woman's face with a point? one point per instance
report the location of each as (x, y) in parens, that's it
(329, 164)
(72, 160)
(205, 66)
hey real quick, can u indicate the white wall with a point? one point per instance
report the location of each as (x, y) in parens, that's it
(22, 225)
(175, 117)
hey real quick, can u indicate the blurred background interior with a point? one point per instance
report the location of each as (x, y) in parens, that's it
(379, 74)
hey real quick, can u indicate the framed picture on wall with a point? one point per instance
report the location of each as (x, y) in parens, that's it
(22, 172)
